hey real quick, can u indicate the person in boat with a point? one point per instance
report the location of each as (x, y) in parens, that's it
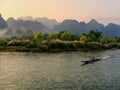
(94, 59)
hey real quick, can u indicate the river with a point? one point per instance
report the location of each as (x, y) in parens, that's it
(59, 71)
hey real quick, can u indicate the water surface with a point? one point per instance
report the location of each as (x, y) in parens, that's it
(59, 71)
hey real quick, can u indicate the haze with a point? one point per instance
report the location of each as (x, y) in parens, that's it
(82, 10)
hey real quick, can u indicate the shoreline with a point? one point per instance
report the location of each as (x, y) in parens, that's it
(51, 49)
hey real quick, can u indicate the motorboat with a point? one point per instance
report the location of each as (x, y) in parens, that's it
(90, 61)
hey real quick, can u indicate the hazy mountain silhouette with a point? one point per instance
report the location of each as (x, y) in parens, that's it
(93, 25)
(75, 27)
(3, 23)
(50, 23)
(20, 26)
(27, 18)
(112, 30)
(71, 26)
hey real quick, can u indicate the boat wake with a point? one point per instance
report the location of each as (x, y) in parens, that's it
(96, 59)
(106, 57)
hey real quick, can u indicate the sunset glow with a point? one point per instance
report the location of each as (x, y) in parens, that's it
(61, 9)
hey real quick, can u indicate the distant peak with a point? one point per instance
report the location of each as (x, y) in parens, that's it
(70, 20)
(93, 21)
(10, 19)
(3, 23)
(82, 22)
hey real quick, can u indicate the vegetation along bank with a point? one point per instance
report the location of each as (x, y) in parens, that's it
(62, 41)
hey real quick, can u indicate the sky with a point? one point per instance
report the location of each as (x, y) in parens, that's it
(81, 10)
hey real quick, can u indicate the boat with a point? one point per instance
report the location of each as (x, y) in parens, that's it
(90, 61)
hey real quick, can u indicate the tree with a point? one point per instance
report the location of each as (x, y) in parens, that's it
(75, 37)
(45, 36)
(65, 36)
(52, 35)
(112, 40)
(3, 41)
(94, 35)
(118, 40)
(37, 38)
(83, 39)
(103, 40)
(60, 33)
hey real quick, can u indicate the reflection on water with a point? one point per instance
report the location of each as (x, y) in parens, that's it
(59, 71)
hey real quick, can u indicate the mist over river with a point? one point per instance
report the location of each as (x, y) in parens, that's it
(59, 71)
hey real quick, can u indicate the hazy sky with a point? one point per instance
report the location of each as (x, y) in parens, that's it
(62, 9)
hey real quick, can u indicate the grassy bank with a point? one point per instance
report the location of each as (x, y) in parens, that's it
(56, 46)
(57, 42)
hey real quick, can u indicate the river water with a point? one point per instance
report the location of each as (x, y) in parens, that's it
(59, 71)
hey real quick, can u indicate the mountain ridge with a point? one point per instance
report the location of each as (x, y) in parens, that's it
(3, 23)
(71, 25)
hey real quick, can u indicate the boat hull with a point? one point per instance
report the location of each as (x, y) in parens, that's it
(90, 61)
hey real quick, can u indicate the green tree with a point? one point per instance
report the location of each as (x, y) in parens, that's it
(118, 40)
(45, 36)
(52, 35)
(3, 42)
(112, 40)
(94, 36)
(103, 40)
(65, 36)
(83, 39)
(60, 33)
(37, 38)
(75, 37)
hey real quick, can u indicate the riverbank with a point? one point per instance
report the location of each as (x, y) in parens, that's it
(55, 46)
(58, 42)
